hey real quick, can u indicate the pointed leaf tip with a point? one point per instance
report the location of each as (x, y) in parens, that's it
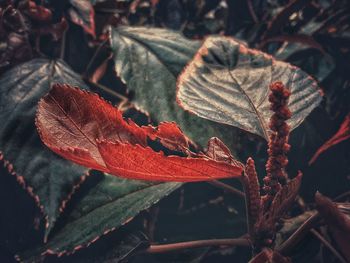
(227, 82)
(341, 135)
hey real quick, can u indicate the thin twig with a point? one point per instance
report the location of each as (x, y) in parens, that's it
(343, 195)
(198, 243)
(252, 12)
(108, 90)
(63, 45)
(98, 50)
(227, 187)
(328, 245)
(299, 234)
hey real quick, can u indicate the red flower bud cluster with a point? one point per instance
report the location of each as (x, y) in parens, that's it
(278, 144)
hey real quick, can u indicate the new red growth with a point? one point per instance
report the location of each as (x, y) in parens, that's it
(278, 144)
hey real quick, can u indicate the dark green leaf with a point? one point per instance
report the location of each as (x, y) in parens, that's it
(229, 83)
(47, 177)
(110, 204)
(149, 60)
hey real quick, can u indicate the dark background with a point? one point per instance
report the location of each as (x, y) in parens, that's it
(200, 211)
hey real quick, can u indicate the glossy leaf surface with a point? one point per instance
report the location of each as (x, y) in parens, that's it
(229, 83)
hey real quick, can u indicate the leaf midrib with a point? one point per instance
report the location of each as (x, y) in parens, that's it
(260, 119)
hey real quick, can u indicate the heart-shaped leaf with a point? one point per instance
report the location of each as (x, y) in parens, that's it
(87, 130)
(48, 178)
(149, 61)
(229, 83)
(111, 203)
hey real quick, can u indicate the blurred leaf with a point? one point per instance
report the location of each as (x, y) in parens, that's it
(111, 203)
(338, 222)
(341, 135)
(46, 177)
(82, 13)
(283, 16)
(228, 83)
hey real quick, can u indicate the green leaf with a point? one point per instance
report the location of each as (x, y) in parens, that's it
(111, 203)
(47, 177)
(149, 60)
(229, 83)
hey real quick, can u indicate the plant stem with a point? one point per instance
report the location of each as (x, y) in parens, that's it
(343, 195)
(227, 188)
(328, 245)
(63, 45)
(97, 51)
(298, 234)
(153, 249)
(108, 90)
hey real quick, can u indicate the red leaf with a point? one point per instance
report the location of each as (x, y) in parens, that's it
(143, 163)
(218, 151)
(342, 134)
(170, 136)
(70, 121)
(87, 130)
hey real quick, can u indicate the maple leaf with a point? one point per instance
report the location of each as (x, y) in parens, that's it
(342, 134)
(87, 130)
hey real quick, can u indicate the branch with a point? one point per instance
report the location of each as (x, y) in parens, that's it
(328, 245)
(63, 45)
(153, 249)
(227, 188)
(298, 234)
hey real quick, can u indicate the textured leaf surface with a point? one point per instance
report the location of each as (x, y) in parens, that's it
(285, 198)
(136, 162)
(110, 204)
(252, 194)
(149, 61)
(280, 204)
(229, 83)
(48, 178)
(84, 128)
(341, 135)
